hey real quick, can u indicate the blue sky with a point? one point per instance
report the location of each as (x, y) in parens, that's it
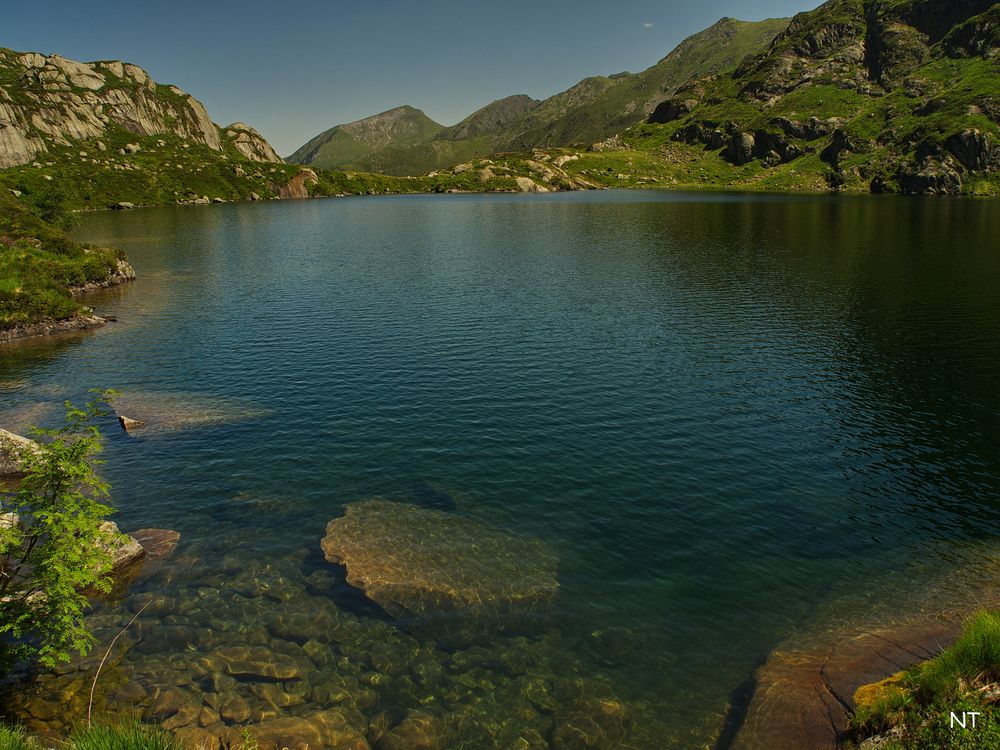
(294, 69)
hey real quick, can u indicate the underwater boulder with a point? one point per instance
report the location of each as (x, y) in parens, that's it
(411, 560)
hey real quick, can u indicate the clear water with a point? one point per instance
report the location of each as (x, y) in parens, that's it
(722, 413)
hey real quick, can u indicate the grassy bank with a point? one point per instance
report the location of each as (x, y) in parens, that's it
(127, 736)
(913, 710)
(40, 264)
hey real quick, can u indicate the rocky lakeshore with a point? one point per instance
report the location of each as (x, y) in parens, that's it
(280, 649)
(51, 328)
(805, 694)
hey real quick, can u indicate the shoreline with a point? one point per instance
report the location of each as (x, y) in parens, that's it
(82, 321)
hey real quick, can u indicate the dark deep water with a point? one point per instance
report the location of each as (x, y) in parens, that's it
(721, 412)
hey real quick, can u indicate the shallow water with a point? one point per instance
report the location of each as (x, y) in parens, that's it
(722, 413)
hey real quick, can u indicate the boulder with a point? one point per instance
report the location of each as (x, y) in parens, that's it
(259, 664)
(411, 560)
(11, 449)
(528, 185)
(128, 424)
(671, 110)
(973, 149)
(124, 549)
(614, 143)
(418, 731)
(158, 543)
(930, 176)
(123, 206)
(740, 148)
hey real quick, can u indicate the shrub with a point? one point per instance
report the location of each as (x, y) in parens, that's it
(55, 552)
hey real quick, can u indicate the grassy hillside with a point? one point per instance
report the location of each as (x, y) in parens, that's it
(590, 111)
(165, 169)
(105, 132)
(39, 264)
(893, 96)
(597, 108)
(355, 144)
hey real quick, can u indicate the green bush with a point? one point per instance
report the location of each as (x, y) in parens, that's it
(57, 550)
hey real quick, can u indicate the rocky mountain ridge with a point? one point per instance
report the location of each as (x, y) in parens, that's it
(592, 110)
(48, 101)
(101, 134)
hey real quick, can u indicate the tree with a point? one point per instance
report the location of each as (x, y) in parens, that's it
(56, 550)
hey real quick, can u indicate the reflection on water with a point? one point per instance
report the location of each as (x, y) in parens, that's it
(724, 415)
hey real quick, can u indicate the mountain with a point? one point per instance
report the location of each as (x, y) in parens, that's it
(354, 143)
(108, 133)
(597, 108)
(493, 118)
(593, 109)
(887, 95)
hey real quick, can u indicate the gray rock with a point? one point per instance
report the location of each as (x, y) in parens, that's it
(124, 549)
(12, 447)
(740, 148)
(974, 150)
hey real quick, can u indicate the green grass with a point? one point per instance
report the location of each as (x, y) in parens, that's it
(129, 735)
(126, 736)
(975, 657)
(155, 175)
(918, 705)
(15, 738)
(38, 265)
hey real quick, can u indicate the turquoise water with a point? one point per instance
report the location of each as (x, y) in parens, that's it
(719, 411)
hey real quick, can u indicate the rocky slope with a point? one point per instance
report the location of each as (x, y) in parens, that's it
(886, 95)
(592, 110)
(108, 133)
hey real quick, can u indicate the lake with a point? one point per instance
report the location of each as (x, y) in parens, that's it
(722, 414)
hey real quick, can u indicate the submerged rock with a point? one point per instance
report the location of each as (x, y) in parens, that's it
(128, 424)
(411, 560)
(158, 543)
(169, 412)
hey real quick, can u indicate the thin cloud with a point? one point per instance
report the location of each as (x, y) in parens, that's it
(647, 26)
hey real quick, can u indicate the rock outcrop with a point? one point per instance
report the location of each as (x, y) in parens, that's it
(298, 185)
(804, 696)
(250, 143)
(55, 101)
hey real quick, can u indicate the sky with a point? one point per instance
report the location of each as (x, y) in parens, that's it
(294, 69)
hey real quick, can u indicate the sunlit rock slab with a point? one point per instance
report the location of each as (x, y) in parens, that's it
(412, 560)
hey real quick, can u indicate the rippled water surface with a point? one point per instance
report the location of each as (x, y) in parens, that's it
(719, 413)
